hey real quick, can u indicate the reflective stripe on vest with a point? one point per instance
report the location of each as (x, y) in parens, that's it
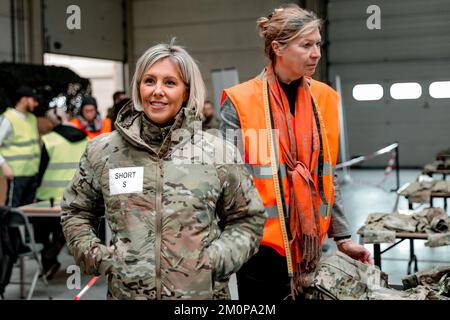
(64, 158)
(263, 172)
(54, 184)
(24, 144)
(272, 211)
(59, 166)
(22, 151)
(22, 157)
(250, 93)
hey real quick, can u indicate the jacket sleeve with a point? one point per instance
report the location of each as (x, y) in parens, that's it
(82, 208)
(242, 217)
(230, 125)
(339, 227)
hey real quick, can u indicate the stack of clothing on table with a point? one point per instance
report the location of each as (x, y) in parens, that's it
(381, 227)
(340, 277)
(438, 165)
(443, 154)
(420, 191)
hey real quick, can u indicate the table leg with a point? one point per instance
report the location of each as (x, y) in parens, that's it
(412, 257)
(22, 277)
(377, 254)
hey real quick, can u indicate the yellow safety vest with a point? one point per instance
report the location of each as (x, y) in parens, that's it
(22, 151)
(64, 158)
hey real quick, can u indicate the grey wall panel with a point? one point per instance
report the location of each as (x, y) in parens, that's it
(400, 49)
(198, 38)
(413, 45)
(370, 72)
(5, 31)
(5, 44)
(218, 34)
(182, 12)
(101, 34)
(410, 26)
(356, 9)
(5, 7)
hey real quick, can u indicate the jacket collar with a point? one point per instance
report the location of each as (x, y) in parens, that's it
(140, 132)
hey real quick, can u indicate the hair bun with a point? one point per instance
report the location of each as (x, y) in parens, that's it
(262, 24)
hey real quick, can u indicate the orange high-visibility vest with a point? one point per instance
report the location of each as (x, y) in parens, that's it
(248, 100)
(106, 127)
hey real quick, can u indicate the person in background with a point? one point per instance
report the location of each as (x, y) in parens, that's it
(20, 148)
(61, 152)
(89, 119)
(116, 109)
(304, 112)
(210, 121)
(117, 97)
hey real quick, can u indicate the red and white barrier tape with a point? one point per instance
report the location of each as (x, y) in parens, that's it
(389, 167)
(367, 157)
(387, 171)
(86, 288)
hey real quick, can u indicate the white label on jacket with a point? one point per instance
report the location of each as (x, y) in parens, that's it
(126, 180)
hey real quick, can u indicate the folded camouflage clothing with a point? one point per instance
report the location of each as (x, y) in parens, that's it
(418, 191)
(436, 279)
(381, 227)
(340, 277)
(438, 165)
(432, 220)
(441, 186)
(443, 154)
(438, 240)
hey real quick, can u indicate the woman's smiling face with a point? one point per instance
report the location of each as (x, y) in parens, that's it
(162, 91)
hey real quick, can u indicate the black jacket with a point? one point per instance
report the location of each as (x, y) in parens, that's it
(10, 244)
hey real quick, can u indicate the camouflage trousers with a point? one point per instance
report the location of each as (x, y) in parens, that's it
(339, 277)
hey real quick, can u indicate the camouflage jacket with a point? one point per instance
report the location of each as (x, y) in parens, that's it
(179, 225)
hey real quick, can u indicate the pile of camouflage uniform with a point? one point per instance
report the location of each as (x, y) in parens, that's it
(381, 227)
(420, 191)
(443, 154)
(340, 277)
(438, 165)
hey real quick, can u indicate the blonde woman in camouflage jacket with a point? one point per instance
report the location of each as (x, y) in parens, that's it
(183, 216)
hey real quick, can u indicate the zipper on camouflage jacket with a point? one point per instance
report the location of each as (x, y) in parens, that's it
(158, 229)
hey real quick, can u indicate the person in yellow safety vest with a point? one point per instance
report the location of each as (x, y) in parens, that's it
(61, 153)
(295, 179)
(20, 148)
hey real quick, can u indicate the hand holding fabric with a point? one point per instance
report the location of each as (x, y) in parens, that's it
(355, 251)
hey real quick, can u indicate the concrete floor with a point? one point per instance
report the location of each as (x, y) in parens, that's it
(361, 197)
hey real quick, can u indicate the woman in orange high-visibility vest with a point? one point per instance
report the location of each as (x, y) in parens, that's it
(89, 119)
(288, 128)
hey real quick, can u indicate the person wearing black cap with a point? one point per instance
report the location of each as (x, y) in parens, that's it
(19, 148)
(89, 119)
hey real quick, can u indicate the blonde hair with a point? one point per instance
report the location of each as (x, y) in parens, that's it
(285, 24)
(189, 71)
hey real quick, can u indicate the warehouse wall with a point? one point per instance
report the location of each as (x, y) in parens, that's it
(5, 26)
(21, 21)
(413, 45)
(218, 34)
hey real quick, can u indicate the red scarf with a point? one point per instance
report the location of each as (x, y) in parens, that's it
(300, 147)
